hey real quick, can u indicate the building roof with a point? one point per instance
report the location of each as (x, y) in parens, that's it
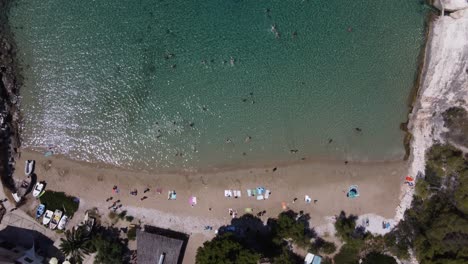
(151, 246)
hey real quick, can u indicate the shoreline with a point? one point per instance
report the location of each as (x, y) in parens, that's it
(10, 81)
(442, 86)
(92, 182)
(223, 168)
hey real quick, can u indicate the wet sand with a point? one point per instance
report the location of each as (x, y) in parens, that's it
(379, 185)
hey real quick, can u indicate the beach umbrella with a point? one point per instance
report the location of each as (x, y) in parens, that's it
(53, 261)
(409, 178)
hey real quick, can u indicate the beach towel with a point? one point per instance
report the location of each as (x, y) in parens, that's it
(193, 200)
(409, 178)
(248, 210)
(171, 195)
(260, 190)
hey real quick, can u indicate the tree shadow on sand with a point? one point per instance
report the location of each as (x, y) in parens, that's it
(273, 238)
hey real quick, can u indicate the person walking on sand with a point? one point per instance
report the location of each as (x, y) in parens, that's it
(294, 200)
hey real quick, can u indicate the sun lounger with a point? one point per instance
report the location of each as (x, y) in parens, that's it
(237, 193)
(227, 193)
(249, 192)
(307, 199)
(267, 194)
(260, 197)
(248, 210)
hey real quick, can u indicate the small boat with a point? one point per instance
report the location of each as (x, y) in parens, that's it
(47, 217)
(29, 168)
(55, 219)
(63, 222)
(16, 197)
(40, 211)
(38, 189)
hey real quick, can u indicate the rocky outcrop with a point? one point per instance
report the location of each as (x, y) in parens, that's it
(9, 104)
(444, 84)
(451, 5)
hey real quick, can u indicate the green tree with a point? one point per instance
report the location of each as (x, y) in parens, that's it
(75, 244)
(286, 257)
(109, 251)
(225, 249)
(376, 257)
(345, 225)
(290, 226)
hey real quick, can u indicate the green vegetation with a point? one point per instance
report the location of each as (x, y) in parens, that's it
(321, 246)
(109, 250)
(376, 257)
(107, 245)
(436, 226)
(225, 249)
(247, 240)
(129, 218)
(290, 226)
(75, 245)
(122, 215)
(456, 120)
(112, 215)
(131, 233)
(61, 201)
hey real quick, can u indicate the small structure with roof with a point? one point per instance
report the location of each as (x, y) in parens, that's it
(155, 245)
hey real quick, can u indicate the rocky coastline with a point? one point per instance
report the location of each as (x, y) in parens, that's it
(444, 84)
(10, 117)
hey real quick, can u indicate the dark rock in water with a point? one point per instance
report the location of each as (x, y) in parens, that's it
(358, 129)
(330, 140)
(274, 169)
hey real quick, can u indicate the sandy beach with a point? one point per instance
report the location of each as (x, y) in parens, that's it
(379, 186)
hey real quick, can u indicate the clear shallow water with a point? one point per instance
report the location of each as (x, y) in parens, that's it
(150, 84)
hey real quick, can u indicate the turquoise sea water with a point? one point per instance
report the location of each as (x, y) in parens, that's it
(183, 83)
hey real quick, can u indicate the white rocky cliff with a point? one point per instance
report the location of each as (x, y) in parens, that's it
(444, 84)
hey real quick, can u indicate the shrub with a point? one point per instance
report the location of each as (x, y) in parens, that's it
(129, 218)
(348, 254)
(59, 200)
(131, 234)
(322, 246)
(112, 215)
(345, 225)
(376, 257)
(122, 215)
